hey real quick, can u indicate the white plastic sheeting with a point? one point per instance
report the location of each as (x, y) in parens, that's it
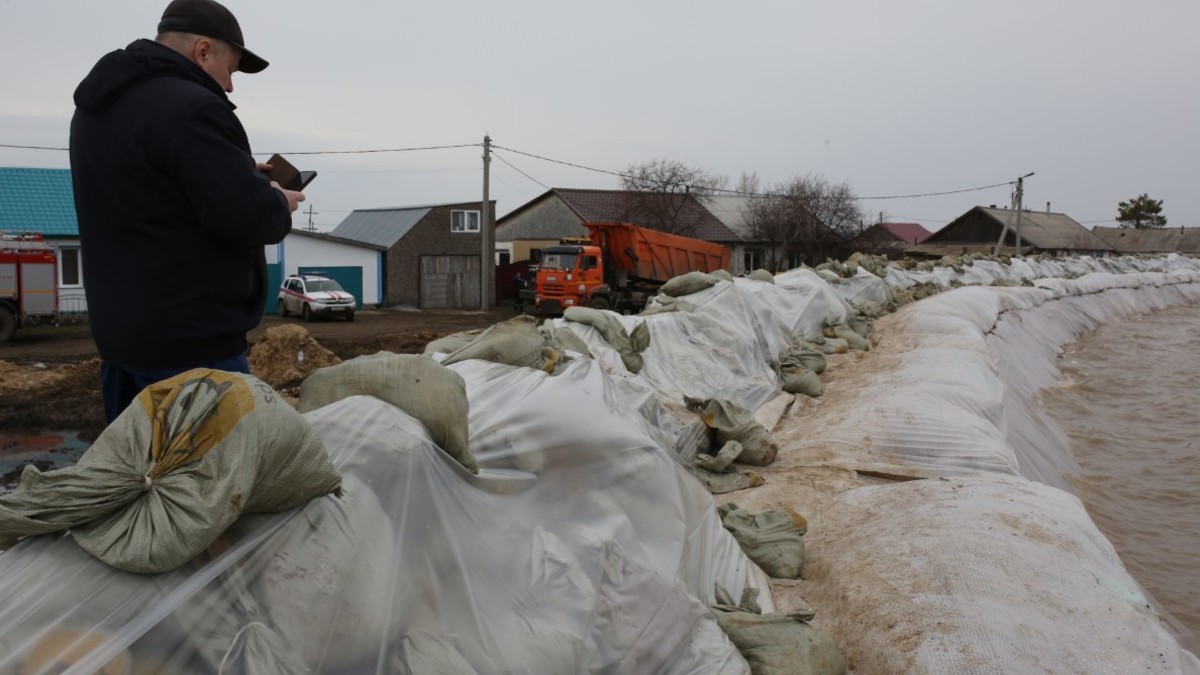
(992, 566)
(582, 546)
(600, 554)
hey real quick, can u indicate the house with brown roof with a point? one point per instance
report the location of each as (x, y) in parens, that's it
(978, 230)
(560, 213)
(889, 239)
(1184, 240)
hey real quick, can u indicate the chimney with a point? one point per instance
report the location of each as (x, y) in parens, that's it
(1047, 207)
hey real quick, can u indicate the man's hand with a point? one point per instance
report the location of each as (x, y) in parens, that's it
(293, 198)
(261, 166)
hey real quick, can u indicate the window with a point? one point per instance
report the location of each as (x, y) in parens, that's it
(70, 267)
(590, 262)
(559, 261)
(752, 260)
(464, 221)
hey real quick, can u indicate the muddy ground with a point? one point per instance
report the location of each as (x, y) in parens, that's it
(50, 376)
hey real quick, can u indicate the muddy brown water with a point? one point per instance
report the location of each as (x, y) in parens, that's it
(1130, 403)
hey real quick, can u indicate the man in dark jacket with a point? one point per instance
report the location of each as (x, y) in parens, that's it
(173, 210)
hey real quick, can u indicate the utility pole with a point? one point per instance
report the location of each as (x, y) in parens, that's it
(1020, 205)
(311, 213)
(1017, 198)
(486, 255)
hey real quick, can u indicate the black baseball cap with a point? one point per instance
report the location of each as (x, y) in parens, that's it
(210, 19)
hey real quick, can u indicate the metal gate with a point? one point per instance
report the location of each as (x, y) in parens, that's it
(449, 282)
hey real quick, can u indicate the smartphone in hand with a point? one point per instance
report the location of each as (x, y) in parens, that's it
(288, 176)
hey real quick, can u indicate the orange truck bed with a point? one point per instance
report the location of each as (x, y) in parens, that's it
(655, 256)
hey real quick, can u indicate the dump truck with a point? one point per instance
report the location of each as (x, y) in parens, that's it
(619, 266)
(28, 281)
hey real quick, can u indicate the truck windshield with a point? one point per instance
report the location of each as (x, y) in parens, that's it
(559, 261)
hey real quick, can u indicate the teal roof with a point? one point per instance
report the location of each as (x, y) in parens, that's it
(37, 200)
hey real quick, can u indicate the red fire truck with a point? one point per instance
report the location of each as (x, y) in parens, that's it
(28, 282)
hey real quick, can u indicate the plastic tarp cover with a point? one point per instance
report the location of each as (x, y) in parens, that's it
(582, 546)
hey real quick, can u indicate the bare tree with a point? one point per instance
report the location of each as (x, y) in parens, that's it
(661, 190)
(805, 219)
(748, 183)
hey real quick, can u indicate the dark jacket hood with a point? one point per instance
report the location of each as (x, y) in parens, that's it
(116, 72)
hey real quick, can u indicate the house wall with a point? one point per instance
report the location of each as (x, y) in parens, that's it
(524, 248)
(298, 250)
(430, 237)
(71, 297)
(549, 219)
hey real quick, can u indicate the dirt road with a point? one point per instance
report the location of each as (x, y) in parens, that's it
(49, 376)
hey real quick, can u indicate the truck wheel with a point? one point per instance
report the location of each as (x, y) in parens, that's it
(308, 315)
(8, 324)
(282, 308)
(599, 302)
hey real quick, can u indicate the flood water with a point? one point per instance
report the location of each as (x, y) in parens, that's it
(1130, 403)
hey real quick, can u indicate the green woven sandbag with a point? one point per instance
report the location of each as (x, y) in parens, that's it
(732, 422)
(629, 345)
(774, 539)
(173, 471)
(776, 644)
(516, 342)
(686, 284)
(425, 389)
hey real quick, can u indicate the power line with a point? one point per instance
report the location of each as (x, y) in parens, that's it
(297, 152)
(741, 192)
(559, 161)
(376, 150)
(938, 194)
(30, 147)
(564, 163)
(510, 165)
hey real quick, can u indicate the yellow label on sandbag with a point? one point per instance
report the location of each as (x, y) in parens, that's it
(191, 413)
(58, 651)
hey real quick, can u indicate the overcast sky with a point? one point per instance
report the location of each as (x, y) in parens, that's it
(1100, 98)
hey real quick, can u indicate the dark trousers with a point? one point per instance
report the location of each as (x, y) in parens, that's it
(121, 384)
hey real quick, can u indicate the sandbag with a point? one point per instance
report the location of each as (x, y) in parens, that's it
(629, 345)
(451, 343)
(732, 422)
(803, 354)
(772, 539)
(722, 275)
(516, 342)
(316, 596)
(564, 339)
(843, 332)
(761, 275)
(665, 303)
(432, 393)
(802, 381)
(718, 473)
(777, 644)
(686, 284)
(173, 471)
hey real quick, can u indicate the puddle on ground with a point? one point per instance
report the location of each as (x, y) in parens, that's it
(47, 450)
